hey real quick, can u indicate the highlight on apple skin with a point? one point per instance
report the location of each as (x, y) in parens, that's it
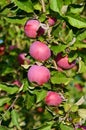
(22, 59)
(63, 63)
(38, 74)
(40, 51)
(32, 28)
(53, 99)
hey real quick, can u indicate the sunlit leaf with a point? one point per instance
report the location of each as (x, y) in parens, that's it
(76, 21)
(58, 48)
(82, 113)
(25, 5)
(56, 5)
(40, 95)
(60, 78)
(4, 100)
(3, 128)
(15, 20)
(8, 89)
(65, 127)
(15, 117)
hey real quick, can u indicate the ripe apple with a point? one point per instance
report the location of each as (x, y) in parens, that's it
(40, 109)
(39, 51)
(6, 106)
(63, 63)
(79, 87)
(82, 127)
(33, 29)
(12, 47)
(17, 83)
(38, 74)
(22, 59)
(51, 21)
(53, 99)
(2, 50)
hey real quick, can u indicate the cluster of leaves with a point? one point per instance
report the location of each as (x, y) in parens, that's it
(23, 107)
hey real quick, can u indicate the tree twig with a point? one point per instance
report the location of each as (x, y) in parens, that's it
(12, 105)
(43, 5)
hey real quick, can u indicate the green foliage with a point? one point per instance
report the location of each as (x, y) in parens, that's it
(8, 89)
(65, 127)
(76, 20)
(22, 106)
(14, 116)
(3, 128)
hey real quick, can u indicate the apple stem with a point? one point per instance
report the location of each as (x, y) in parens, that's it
(49, 31)
(54, 63)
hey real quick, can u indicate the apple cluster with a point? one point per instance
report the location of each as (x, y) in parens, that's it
(41, 52)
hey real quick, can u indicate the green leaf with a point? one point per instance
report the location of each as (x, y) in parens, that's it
(67, 107)
(65, 127)
(14, 116)
(77, 9)
(59, 78)
(56, 5)
(6, 116)
(8, 89)
(37, 6)
(69, 36)
(29, 100)
(15, 20)
(67, 2)
(81, 36)
(76, 20)
(82, 113)
(25, 85)
(58, 48)
(3, 3)
(78, 44)
(25, 5)
(82, 67)
(6, 70)
(4, 100)
(74, 108)
(47, 126)
(40, 95)
(3, 128)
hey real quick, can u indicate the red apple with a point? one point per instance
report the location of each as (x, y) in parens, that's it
(40, 109)
(22, 59)
(40, 51)
(53, 99)
(6, 106)
(32, 28)
(78, 87)
(2, 50)
(12, 47)
(17, 83)
(51, 21)
(38, 74)
(82, 127)
(63, 63)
